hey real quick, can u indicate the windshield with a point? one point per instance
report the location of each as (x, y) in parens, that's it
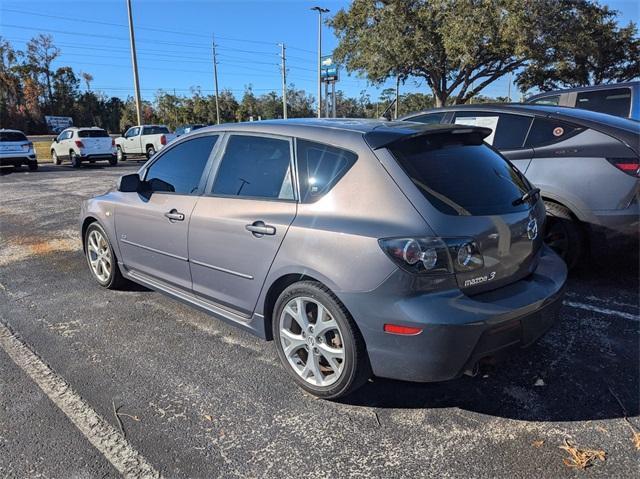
(93, 134)
(12, 136)
(461, 179)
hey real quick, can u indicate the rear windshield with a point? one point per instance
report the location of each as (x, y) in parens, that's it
(12, 136)
(93, 134)
(461, 178)
(154, 130)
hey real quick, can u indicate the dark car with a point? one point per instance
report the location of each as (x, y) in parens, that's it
(619, 99)
(361, 247)
(585, 163)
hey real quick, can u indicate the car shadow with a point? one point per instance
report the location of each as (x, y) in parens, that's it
(587, 367)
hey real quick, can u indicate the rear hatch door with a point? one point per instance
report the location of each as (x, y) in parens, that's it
(12, 143)
(96, 142)
(467, 191)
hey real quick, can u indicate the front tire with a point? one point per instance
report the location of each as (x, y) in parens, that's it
(565, 234)
(101, 259)
(318, 342)
(120, 156)
(75, 159)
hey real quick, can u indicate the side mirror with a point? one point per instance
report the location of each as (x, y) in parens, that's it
(55, 139)
(129, 183)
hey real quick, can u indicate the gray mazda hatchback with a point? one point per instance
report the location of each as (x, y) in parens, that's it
(399, 250)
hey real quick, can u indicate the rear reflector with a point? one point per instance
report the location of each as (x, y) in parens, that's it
(404, 330)
(630, 166)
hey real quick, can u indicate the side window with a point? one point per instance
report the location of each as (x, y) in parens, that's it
(179, 169)
(545, 131)
(616, 101)
(132, 132)
(553, 100)
(429, 118)
(320, 167)
(509, 131)
(255, 167)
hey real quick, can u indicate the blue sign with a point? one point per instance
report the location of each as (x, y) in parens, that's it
(328, 69)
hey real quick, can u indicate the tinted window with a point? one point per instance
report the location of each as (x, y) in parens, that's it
(254, 166)
(93, 134)
(547, 100)
(12, 136)
(179, 169)
(461, 177)
(429, 118)
(154, 130)
(320, 167)
(546, 130)
(616, 101)
(509, 131)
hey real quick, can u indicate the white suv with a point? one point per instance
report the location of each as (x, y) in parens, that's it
(16, 150)
(83, 144)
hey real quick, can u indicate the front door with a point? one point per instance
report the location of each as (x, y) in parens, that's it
(238, 226)
(131, 143)
(152, 227)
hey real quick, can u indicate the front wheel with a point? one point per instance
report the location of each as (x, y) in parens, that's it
(101, 258)
(565, 234)
(120, 156)
(318, 342)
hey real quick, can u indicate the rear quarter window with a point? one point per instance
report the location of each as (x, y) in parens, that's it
(546, 131)
(461, 178)
(320, 167)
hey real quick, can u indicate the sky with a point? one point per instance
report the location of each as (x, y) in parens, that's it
(174, 38)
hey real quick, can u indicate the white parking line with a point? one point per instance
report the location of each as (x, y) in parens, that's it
(111, 444)
(597, 309)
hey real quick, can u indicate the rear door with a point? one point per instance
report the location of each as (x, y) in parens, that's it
(465, 190)
(509, 133)
(96, 142)
(238, 225)
(152, 228)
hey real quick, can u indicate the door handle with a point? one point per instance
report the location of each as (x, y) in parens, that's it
(174, 215)
(259, 229)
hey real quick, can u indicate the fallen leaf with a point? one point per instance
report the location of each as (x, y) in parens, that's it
(581, 458)
(601, 429)
(538, 444)
(539, 382)
(208, 418)
(636, 440)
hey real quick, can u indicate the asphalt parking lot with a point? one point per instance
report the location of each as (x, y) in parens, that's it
(198, 398)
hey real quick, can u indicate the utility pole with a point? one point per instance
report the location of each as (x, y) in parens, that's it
(333, 99)
(395, 117)
(284, 80)
(215, 78)
(509, 89)
(134, 62)
(320, 11)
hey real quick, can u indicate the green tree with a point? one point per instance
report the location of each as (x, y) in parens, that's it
(65, 91)
(592, 50)
(458, 46)
(41, 52)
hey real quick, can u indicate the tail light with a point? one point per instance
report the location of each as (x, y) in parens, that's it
(163, 140)
(79, 144)
(432, 255)
(631, 166)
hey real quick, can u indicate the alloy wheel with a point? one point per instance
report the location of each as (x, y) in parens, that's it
(312, 341)
(99, 255)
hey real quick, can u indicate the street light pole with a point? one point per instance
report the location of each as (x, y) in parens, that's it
(215, 78)
(320, 11)
(134, 62)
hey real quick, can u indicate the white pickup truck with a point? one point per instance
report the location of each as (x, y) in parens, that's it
(143, 140)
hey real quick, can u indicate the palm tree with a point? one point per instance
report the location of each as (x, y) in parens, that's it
(88, 78)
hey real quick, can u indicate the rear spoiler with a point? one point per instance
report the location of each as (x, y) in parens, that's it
(388, 137)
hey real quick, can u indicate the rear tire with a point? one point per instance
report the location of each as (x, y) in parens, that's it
(75, 159)
(150, 151)
(33, 166)
(113, 161)
(54, 157)
(565, 234)
(335, 348)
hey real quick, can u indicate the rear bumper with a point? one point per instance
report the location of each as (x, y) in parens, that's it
(97, 157)
(17, 160)
(457, 330)
(626, 220)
